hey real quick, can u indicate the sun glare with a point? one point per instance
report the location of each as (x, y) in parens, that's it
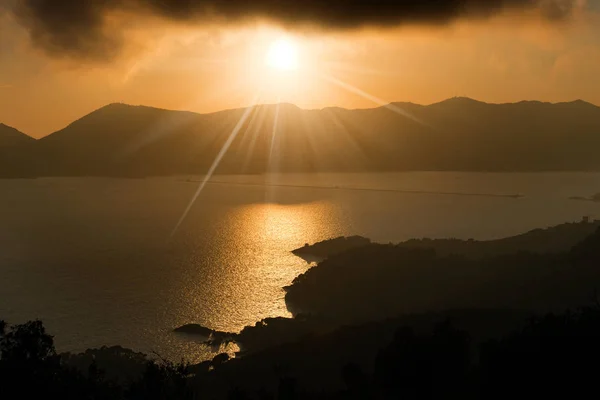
(282, 55)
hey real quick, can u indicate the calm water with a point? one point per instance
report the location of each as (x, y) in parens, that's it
(93, 258)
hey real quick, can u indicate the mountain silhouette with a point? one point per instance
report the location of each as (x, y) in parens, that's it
(459, 134)
(10, 137)
(13, 146)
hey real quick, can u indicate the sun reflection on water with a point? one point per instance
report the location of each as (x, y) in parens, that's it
(239, 280)
(265, 234)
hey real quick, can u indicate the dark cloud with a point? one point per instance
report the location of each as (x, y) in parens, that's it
(79, 28)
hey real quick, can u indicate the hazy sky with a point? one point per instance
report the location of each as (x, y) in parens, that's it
(64, 59)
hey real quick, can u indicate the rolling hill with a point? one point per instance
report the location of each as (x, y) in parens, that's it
(14, 145)
(10, 137)
(456, 134)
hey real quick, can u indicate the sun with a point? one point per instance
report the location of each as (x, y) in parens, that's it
(282, 55)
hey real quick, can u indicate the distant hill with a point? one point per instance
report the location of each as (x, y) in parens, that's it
(13, 146)
(10, 137)
(456, 134)
(555, 239)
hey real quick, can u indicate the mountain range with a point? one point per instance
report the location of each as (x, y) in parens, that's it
(458, 134)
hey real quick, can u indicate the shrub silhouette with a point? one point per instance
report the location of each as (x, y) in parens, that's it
(416, 366)
(162, 380)
(30, 368)
(556, 355)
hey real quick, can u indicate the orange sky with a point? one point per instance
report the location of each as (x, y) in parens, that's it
(509, 58)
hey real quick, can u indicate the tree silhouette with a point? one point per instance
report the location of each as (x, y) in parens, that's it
(162, 380)
(358, 385)
(28, 342)
(416, 366)
(556, 355)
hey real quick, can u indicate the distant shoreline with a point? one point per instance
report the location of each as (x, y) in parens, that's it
(359, 189)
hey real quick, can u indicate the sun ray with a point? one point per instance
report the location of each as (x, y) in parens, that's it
(374, 99)
(216, 162)
(274, 131)
(250, 136)
(270, 163)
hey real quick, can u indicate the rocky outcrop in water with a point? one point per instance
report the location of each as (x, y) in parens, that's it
(194, 329)
(594, 198)
(213, 337)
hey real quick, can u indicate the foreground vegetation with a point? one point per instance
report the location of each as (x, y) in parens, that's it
(553, 355)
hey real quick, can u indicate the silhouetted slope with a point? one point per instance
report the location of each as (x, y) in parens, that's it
(10, 137)
(377, 281)
(555, 239)
(588, 251)
(107, 140)
(326, 248)
(316, 360)
(527, 135)
(457, 134)
(14, 149)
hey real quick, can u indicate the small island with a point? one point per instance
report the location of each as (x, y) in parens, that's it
(594, 198)
(194, 329)
(213, 337)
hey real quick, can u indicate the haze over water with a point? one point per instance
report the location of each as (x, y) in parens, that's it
(93, 259)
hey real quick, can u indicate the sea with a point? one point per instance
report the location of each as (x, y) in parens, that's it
(100, 262)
